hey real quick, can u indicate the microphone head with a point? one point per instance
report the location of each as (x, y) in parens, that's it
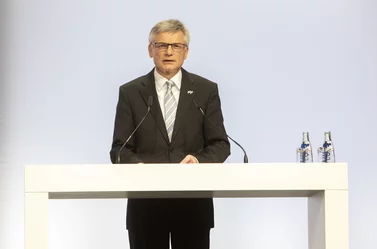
(150, 101)
(197, 106)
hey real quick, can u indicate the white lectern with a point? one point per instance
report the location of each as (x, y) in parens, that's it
(325, 185)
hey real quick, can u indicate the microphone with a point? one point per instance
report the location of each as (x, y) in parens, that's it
(150, 103)
(245, 158)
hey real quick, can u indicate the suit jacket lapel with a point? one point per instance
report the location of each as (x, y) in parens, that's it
(148, 88)
(187, 93)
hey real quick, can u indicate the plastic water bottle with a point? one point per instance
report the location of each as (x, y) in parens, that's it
(304, 152)
(326, 153)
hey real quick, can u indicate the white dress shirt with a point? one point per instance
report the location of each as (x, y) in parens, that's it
(161, 88)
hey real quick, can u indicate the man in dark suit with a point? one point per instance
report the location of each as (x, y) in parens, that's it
(174, 132)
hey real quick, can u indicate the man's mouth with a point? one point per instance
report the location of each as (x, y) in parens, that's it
(168, 61)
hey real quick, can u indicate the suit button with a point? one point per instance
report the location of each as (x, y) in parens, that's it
(171, 149)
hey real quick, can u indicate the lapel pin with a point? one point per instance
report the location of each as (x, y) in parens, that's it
(190, 92)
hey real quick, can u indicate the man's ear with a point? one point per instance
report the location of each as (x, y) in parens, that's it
(150, 50)
(186, 52)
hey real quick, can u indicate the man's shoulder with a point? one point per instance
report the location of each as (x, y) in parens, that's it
(202, 81)
(135, 83)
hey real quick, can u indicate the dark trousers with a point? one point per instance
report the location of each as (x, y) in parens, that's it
(159, 239)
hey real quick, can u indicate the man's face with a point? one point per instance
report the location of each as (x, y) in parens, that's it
(168, 59)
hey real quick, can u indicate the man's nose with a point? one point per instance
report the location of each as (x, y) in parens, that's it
(169, 50)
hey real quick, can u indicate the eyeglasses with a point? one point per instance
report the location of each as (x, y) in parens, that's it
(176, 47)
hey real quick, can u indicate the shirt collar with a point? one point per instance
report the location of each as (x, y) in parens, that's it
(161, 80)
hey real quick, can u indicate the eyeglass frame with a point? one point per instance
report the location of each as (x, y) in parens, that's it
(169, 44)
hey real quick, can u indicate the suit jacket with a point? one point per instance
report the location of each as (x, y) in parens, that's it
(192, 134)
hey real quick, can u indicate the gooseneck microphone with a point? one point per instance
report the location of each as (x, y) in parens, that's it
(245, 158)
(150, 103)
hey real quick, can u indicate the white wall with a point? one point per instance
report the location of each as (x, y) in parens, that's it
(283, 67)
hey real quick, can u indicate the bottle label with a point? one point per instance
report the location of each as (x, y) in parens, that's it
(305, 153)
(328, 153)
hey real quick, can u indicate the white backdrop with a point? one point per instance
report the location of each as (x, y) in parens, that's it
(283, 67)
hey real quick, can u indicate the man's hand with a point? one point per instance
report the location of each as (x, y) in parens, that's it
(190, 159)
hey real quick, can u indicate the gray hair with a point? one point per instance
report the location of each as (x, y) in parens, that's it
(171, 26)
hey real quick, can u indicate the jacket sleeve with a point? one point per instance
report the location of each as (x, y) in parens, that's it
(123, 127)
(216, 147)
